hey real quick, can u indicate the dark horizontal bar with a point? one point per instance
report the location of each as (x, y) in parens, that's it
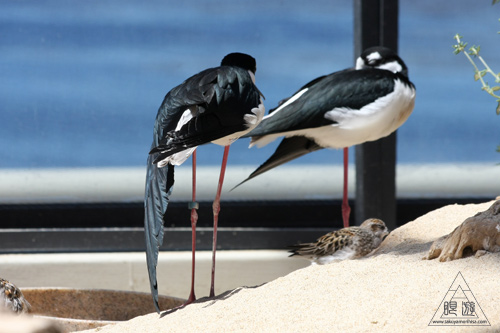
(243, 225)
(132, 239)
(270, 214)
(234, 214)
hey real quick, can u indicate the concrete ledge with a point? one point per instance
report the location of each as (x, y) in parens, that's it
(285, 183)
(127, 271)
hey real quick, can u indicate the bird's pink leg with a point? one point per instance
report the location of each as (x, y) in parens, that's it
(194, 220)
(346, 210)
(216, 210)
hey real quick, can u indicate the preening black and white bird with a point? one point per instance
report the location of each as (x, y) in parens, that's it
(217, 105)
(339, 110)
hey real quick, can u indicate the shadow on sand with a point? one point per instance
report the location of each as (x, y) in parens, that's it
(210, 300)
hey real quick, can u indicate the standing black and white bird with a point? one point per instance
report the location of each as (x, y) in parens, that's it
(340, 110)
(217, 105)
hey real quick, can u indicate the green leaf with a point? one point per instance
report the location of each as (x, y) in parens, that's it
(495, 2)
(479, 74)
(498, 107)
(474, 50)
(495, 88)
(460, 46)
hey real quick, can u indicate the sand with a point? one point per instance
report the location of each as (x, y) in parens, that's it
(392, 291)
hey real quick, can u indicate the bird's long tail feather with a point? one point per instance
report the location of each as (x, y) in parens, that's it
(289, 149)
(159, 186)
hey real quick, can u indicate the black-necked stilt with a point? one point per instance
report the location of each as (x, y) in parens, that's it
(340, 110)
(217, 105)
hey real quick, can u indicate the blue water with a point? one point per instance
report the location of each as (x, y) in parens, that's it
(81, 81)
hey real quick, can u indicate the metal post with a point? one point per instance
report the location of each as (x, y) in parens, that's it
(376, 23)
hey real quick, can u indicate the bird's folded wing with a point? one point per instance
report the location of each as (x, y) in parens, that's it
(348, 89)
(220, 98)
(203, 129)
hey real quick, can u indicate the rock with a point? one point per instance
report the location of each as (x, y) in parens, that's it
(476, 235)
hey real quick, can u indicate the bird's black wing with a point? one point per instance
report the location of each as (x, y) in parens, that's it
(221, 97)
(350, 89)
(289, 149)
(159, 185)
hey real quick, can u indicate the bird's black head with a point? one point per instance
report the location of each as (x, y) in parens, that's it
(382, 58)
(242, 60)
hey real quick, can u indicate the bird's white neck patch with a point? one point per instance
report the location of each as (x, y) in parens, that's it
(360, 63)
(392, 66)
(374, 56)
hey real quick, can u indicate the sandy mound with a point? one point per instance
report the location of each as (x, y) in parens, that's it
(393, 291)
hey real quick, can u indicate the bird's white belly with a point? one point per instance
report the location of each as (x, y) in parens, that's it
(344, 254)
(372, 122)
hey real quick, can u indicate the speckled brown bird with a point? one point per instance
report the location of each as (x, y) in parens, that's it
(12, 299)
(347, 243)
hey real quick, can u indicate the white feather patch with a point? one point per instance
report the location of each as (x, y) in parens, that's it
(185, 118)
(177, 158)
(360, 63)
(374, 56)
(344, 254)
(393, 66)
(182, 156)
(288, 102)
(252, 120)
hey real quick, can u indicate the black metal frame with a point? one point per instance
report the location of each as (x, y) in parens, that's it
(376, 23)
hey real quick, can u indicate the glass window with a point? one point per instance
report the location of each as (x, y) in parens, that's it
(81, 81)
(454, 121)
